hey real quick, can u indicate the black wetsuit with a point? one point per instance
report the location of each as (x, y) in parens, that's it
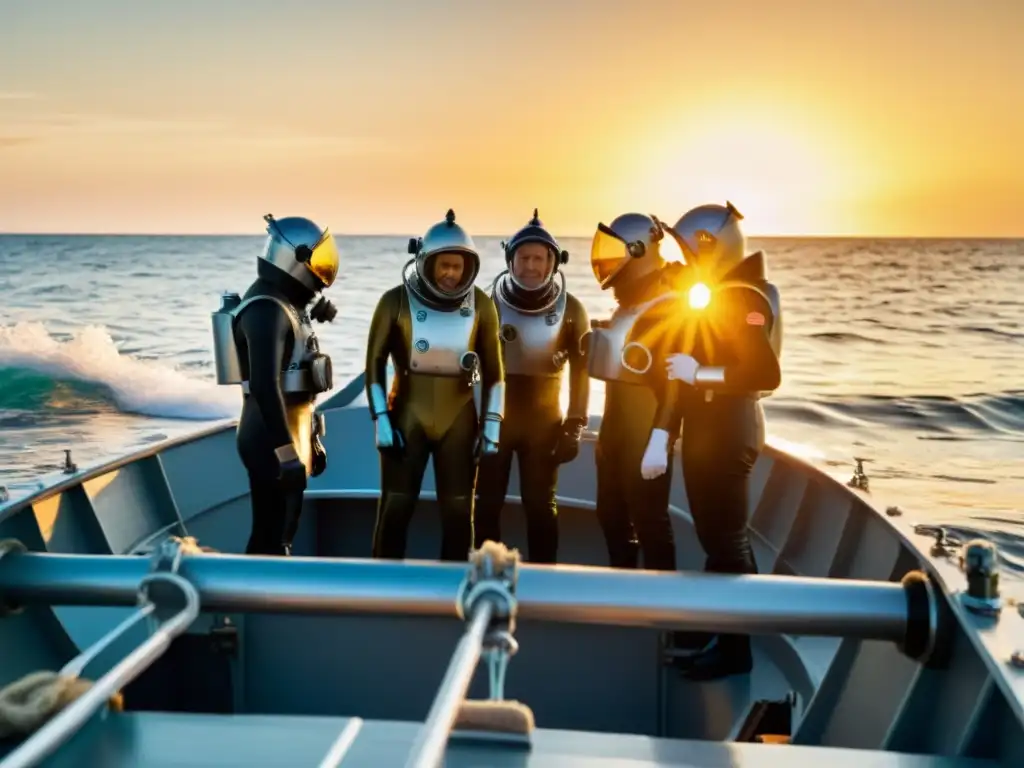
(535, 431)
(633, 512)
(723, 429)
(264, 337)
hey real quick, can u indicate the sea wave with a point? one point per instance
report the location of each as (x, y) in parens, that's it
(987, 415)
(85, 372)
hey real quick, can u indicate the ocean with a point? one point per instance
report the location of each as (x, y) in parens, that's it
(907, 352)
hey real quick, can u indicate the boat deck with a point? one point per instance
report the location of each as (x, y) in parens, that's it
(161, 740)
(283, 652)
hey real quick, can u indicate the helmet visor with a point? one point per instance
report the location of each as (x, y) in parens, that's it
(324, 259)
(690, 254)
(609, 253)
(450, 273)
(533, 265)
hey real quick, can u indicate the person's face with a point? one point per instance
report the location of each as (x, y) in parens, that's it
(531, 264)
(448, 269)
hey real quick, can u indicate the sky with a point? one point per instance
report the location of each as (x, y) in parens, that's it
(866, 117)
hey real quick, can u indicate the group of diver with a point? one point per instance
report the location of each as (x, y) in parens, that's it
(691, 348)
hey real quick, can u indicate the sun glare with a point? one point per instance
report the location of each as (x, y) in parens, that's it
(777, 172)
(699, 296)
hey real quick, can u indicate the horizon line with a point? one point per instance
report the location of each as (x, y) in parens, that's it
(575, 237)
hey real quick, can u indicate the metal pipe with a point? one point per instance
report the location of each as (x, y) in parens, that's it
(432, 741)
(564, 594)
(66, 723)
(76, 667)
(343, 744)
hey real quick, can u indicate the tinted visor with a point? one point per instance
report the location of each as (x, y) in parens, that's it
(324, 259)
(608, 254)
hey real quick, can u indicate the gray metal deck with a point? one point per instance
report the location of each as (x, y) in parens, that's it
(184, 740)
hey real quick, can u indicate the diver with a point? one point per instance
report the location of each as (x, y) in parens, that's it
(441, 332)
(730, 342)
(265, 342)
(632, 500)
(542, 329)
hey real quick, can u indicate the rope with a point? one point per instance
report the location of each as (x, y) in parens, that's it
(189, 545)
(28, 704)
(494, 571)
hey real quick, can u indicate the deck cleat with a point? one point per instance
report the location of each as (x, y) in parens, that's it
(980, 564)
(859, 481)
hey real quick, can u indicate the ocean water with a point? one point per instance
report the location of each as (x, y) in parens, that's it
(908, 352)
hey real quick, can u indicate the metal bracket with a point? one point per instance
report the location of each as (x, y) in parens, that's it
(859, 481)
(979, 560)
(493, 576)
(224, 636)
(168, 553)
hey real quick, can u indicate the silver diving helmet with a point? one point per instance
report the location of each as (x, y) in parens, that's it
(302, 249)
(627, 249)
(534, 232)
(441, 275)
(711, 237)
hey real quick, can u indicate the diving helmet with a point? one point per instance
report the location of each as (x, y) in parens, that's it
(534, 232)
(301, 249)
(627, 249)
(711, 237)
(440, 275)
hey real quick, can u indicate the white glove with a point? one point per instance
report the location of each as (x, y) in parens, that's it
(655, 461)
(682, 368)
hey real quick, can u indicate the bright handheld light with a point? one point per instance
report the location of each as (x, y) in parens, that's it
(700, 296)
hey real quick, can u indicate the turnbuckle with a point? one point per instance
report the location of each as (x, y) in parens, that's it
(494, 572)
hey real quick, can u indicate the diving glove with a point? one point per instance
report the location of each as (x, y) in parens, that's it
(291, 472)
(567, 443)
(389, 439)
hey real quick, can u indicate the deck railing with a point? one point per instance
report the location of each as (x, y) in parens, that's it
(494, 593)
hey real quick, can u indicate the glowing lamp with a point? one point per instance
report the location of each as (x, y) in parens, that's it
(700, 296)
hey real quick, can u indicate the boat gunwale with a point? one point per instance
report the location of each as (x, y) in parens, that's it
(344, 398)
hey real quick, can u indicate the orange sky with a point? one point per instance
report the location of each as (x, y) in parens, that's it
(865, 117)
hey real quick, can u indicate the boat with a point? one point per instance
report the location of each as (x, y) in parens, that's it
(150, 641)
